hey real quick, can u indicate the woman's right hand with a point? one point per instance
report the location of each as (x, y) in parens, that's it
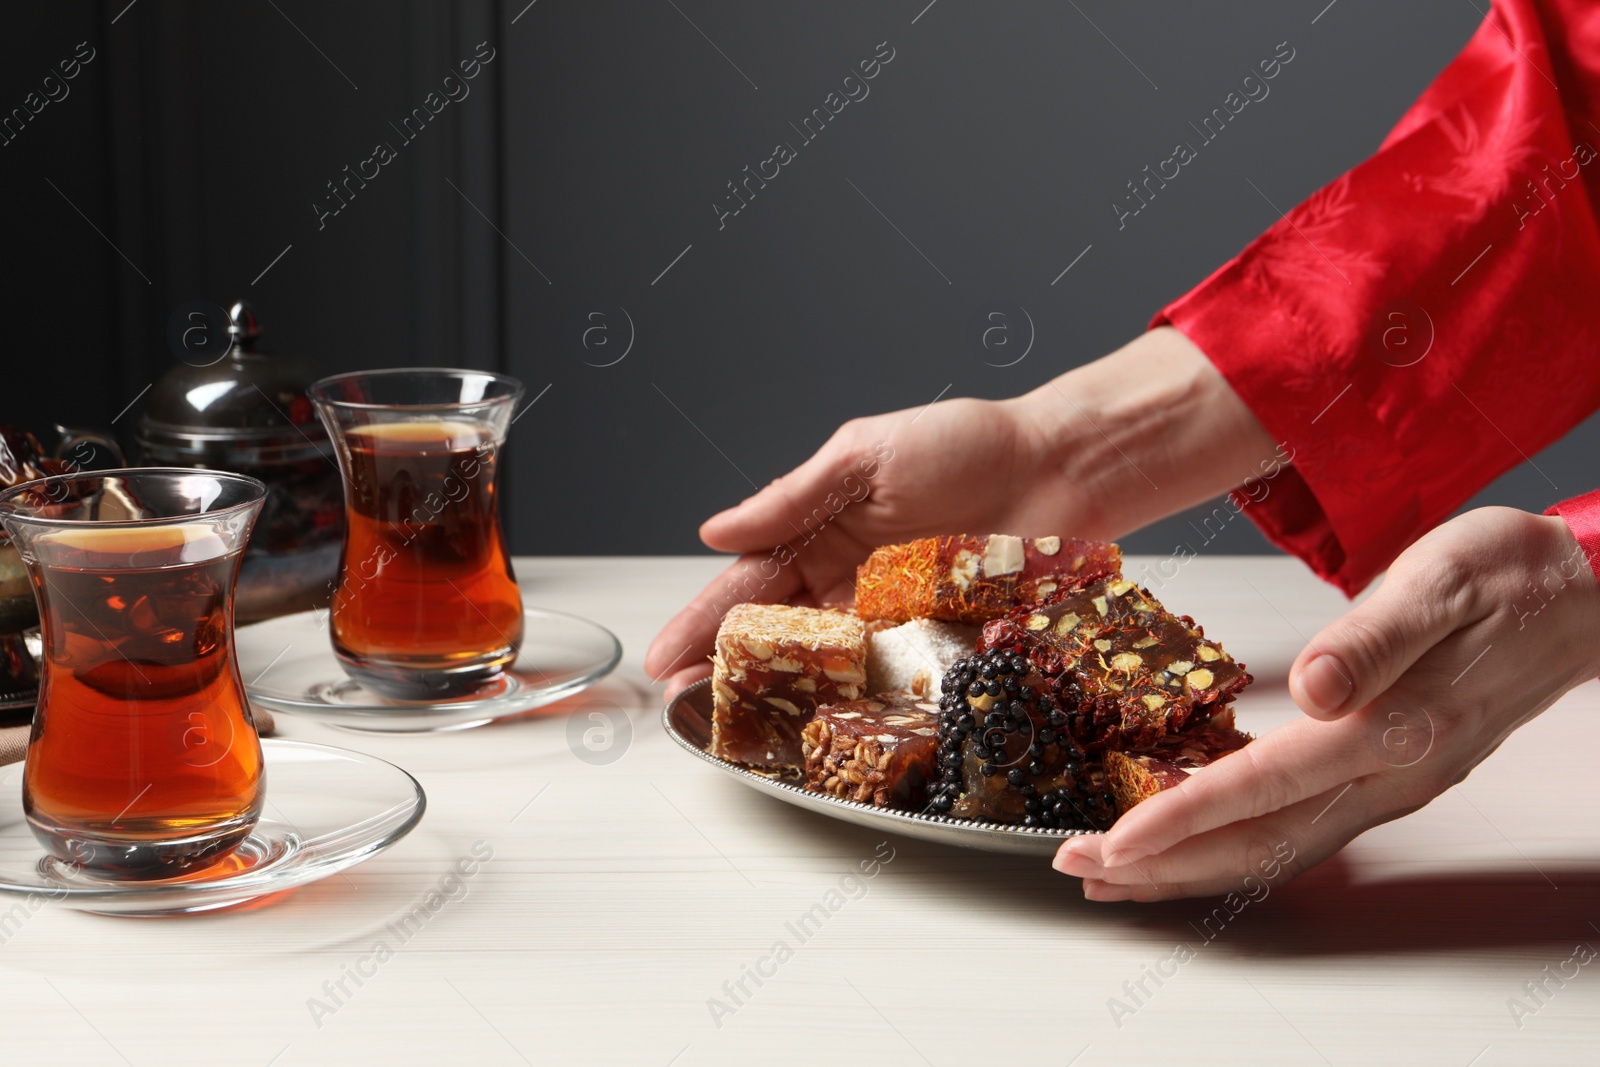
(955, 466)
(1098, 452)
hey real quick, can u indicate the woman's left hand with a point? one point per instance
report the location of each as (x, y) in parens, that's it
(1479, 626)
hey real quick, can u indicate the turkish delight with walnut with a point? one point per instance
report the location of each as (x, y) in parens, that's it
(1128, 671)
(1137, 776)
(879, 751)
(974, 579)
(774, 665)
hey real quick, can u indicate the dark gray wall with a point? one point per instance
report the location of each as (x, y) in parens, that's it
(589, 155)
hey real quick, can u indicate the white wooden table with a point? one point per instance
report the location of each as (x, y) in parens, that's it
(623, 899)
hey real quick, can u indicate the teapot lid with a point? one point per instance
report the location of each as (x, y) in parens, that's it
(239, 394)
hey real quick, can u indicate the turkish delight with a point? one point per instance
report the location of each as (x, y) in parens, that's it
(879, 751)
(1134, 777)
(1005, 754)
(773, 666)
(914, 655)
(1126, 670)
(974, 579)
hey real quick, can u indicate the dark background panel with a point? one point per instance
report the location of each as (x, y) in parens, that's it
(60, 278)
(990, 148)
(561, 220)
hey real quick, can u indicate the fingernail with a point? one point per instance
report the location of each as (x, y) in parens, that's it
(1077, 864)
(1122, 857)
(1326, 683)
(1104, 892)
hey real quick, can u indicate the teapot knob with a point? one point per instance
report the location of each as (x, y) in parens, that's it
(243, 326)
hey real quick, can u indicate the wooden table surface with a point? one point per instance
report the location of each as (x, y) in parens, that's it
(622, 904)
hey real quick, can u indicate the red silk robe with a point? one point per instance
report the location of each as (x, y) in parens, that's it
(1431, 318)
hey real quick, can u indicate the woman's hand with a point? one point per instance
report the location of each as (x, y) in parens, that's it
(1478, 627)
(955, 466)
(1101, 450)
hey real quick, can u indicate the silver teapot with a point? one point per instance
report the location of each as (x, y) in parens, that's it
(247, 412)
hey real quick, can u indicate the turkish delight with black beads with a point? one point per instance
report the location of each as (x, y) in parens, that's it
(1005, 754)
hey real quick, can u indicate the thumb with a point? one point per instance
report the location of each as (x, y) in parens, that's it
(1356, 659)
(779, 511)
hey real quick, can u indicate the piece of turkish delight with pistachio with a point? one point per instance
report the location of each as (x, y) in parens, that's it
(974, 579)
(880, 751)
(1135, 777)
(1127, 670)
(774, 665)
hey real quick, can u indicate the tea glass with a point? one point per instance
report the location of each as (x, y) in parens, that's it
(143, 761)
(426, 607)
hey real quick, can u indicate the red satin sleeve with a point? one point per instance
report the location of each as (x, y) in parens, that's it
(1428, 320)
(1582, 516)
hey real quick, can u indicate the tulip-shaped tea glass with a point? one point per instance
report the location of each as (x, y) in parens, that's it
(426, 606)
(143, 761)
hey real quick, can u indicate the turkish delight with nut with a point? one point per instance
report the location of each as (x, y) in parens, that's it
(774, 665)
(1129, 671)
(915, 655)
(881, 751)
(974, 579)
(1135, 777)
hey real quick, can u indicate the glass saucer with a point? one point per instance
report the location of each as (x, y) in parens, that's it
(288, 665)
(326, 809)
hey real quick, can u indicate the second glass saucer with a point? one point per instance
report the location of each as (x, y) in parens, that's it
(288, 665)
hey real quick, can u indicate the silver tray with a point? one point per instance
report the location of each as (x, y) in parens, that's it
(687, 719)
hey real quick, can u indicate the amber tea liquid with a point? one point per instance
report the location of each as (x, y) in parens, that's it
(427, 606)
(143, 761)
